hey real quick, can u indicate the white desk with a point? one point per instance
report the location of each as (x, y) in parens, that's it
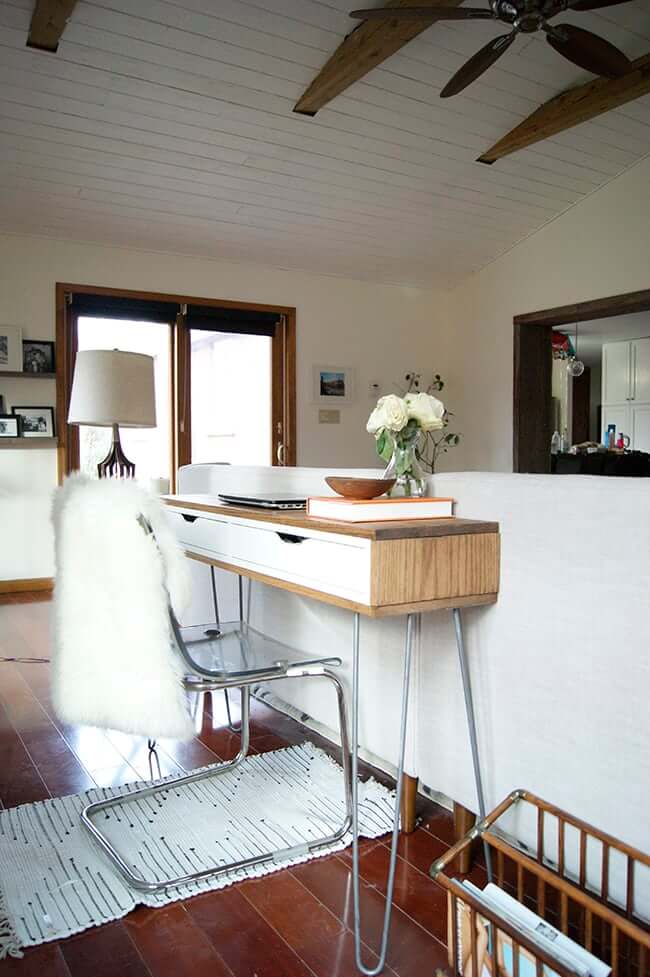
(375, 569)
(378, 569)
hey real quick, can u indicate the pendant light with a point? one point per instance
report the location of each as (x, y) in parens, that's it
(576, 366)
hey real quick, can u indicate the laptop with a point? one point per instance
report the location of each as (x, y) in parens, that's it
(263, 500)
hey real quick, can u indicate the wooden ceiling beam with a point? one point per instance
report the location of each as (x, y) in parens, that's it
(363, 49)
(573, 107)
(48, 23)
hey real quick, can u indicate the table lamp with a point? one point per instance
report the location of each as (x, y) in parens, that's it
(112, 388)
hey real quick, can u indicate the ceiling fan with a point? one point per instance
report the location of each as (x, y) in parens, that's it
(587, 50)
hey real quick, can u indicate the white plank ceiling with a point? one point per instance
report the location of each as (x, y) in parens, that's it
(169, 126)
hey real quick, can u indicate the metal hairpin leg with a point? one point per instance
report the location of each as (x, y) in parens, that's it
(231, 725)
(240, 596)
(371, 972)
(471, 724)
(215, 599)
(217, 621)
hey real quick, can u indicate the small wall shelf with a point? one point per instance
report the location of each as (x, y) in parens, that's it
(27, 376)
(21, 443)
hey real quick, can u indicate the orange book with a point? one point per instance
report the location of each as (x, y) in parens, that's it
(378, 510)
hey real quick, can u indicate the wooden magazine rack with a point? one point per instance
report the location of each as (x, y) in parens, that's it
(577, 878)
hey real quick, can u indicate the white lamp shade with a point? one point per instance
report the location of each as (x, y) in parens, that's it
(111, 387)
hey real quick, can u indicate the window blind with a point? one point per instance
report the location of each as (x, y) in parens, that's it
(221, 319)
(118, 307)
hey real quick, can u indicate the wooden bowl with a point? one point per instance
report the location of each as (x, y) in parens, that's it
(360, 488)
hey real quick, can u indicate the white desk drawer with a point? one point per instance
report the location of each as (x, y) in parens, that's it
(335, 565)
(309, 560)
(208, 535)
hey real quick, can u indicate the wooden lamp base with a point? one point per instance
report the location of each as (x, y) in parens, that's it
(116, 464)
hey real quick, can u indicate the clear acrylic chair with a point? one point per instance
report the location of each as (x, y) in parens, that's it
(219, 658)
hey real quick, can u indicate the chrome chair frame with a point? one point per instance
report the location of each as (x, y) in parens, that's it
(243, 682)
(201, 680)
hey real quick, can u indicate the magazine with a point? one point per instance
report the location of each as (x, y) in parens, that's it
(565, 951)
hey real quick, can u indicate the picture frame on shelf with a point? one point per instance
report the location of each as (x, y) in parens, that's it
(38, 356)
(9, 426)
(35, 422)
(11, 349)
(333, 386)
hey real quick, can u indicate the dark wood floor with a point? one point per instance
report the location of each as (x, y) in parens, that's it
(294, 923)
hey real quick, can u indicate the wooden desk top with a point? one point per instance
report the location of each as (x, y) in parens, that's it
(402, 529)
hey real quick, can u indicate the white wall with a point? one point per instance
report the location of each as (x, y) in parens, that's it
(381, 330)
(26, 480)
(598, 248)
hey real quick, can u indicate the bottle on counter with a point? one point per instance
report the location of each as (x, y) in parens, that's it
(564, 442)
(555, 443)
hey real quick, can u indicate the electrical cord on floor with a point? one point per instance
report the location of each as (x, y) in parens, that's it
(26, 661)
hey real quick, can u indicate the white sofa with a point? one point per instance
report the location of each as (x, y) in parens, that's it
(560, 665)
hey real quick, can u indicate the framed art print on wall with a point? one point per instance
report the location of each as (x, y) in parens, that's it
(333, 385)
(9, 426)
(35, 422)
(38, 356)
(11, 349)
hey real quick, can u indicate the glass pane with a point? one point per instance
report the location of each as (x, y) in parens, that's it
(231, 398)
(148, 448)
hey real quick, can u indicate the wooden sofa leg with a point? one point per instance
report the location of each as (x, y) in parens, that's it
(463, 821)
(407, 808)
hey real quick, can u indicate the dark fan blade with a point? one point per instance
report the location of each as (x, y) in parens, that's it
(594, 4)
(423, 13)
(477, 64)
(587, 50)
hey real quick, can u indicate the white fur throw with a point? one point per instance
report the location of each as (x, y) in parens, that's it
(114, 664)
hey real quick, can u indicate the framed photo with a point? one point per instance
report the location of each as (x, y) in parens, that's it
(35, 422)
(9, 426)
(11, 350)
(333, 385)
(38, 356)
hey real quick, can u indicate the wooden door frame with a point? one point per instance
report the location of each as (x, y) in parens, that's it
(532, 387)
(283, 409)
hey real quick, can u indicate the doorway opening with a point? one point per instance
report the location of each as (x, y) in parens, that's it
(533, 409)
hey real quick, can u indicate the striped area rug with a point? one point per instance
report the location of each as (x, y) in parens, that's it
(55, 881)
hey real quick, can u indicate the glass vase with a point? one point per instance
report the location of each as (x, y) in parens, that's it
(405, 467)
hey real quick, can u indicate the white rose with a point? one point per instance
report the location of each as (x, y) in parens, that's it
(428, 411)
(390, 414)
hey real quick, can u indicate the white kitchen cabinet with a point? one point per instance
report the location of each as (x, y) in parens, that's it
(640, 427)
(626, 371)
(640, 370)
(626, 391)
(617, 359)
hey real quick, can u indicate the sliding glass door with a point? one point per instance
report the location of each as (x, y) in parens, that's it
(224, 375)
(231, 377)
